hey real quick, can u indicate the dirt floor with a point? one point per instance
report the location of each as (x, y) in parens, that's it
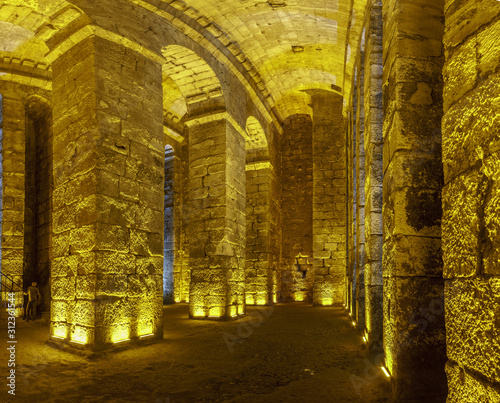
(286, 353)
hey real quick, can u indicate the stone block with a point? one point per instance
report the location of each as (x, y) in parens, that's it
(460, 72)
(413, 256)
(465, 386)
(112, 285)
(476, 346)
(464, 18)
(471, 128)
(414, 336)
(461, 225)
(63, 288)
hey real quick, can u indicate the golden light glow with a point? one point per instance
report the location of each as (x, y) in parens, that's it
(364, 339)
(233, 311)
(261, 301)
(384, 370)
(121, 341)
(60, 332)
(215, 312)
(327, 301)
(389, 360)
(78, 342)
(145, 328)
(120, 333)
(146, 319)
(146, 335)
(80, 335)
(299, 296)
(199, 312)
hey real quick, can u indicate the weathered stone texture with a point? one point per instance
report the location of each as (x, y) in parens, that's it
(414, 340)
(169, 225)
(296, 150)
(473, 334)
(360, 197)
(107, 151)
(258, 285)
(217, 224)
(466, 387)
(471, 201)
(329, 199)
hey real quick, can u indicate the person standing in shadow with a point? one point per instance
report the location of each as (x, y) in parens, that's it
(34, 299)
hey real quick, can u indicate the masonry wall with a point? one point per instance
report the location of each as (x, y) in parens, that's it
(297, 264)
(414, 333)
(329, 199)
(38, 197)
(13, 147)
(373, 171)
(275, 212)
(217, 224)
(169, 230)
(351, 210)
(259, 271)
(108, 195)
(179, 175)
(14, 251)
(471, 200)
(359, 194)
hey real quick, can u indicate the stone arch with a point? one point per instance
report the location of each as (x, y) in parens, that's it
(256, 137)
(195, 80)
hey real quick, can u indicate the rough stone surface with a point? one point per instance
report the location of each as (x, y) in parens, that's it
(329, 199)
(414, 331)
(471, 201)
(90, 219)
(217, 224)
(297, 261)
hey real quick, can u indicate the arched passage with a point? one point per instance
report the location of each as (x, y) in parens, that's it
(214, 193)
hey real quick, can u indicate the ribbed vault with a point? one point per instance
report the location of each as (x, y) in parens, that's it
(284, 46)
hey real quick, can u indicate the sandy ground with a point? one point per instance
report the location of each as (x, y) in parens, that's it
(289, 353)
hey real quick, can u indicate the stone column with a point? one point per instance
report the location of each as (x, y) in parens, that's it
(414, 336)
(296, 148)
(329, 199)
(182, 271)
(471, 200)
(258, 272)
(217, 222)
(351, 205)
(373, 150)
(108, 195)
(169, 235)
(13, 190)
(360, 196)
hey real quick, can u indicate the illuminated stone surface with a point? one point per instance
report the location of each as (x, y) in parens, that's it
(329, 199)
(305, 162)
(471, 201)
(414, 329)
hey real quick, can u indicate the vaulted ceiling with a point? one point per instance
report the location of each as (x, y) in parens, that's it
(292, 45)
